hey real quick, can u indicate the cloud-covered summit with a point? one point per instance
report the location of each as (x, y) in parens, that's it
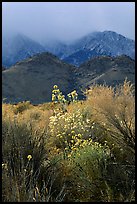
(67, 21)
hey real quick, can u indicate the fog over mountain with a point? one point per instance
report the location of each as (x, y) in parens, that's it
(107, 43)
(67, 21)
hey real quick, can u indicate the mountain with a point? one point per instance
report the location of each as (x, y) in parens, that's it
(33, 79)
(17, 48)
(105, 70)
(56, 48)
(82, 56)
(105, 43)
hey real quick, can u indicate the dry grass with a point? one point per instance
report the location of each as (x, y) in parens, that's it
(85, 153)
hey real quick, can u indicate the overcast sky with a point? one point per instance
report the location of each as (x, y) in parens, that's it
(67, 21)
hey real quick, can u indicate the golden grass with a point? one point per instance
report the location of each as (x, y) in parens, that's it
(83, 151)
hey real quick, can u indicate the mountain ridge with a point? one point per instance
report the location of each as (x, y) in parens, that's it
(17, 48)
(33, 78)
(107, 43)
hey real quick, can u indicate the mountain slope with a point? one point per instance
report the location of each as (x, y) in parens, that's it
(56, 47)
(104, 69)
(33, 79)
(17, 48)
(105, 43)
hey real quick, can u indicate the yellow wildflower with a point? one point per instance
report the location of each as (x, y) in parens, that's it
(72, 132)
(72, 141)
(55, 87)
(79, 135)
(53, 97)
(29, 157)
(5, 166)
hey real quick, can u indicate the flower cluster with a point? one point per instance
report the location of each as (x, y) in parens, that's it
(29, 157)
(81, 145)
(69, 128)
(73, 96)
(57, 95)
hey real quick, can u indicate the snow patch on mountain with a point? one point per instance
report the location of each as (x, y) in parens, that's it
(107, 43)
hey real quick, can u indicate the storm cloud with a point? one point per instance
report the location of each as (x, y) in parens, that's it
(67, 21)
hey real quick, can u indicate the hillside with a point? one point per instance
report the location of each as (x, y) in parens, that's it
(103, 69)
(33, 79)
(17, 48)
(107, 43)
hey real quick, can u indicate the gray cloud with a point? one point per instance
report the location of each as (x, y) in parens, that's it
(67, 21)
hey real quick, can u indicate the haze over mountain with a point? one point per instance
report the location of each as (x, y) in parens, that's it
(18, 47)
(107, 43)
(33, 79)
(67, 21)
(67, 30)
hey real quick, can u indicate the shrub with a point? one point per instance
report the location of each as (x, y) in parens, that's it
(72, 150)
(64, 127)
(21, 106)
(114, 110)
(83, 172)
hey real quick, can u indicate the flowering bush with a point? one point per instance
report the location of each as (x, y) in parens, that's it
(114, 110)
(73, 96)
(66, 128)
(83, 168)
(57, 95)
(71, 150)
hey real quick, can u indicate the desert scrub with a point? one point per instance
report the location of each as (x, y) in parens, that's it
(27, 174)
(89, 167)
(36, 115)
(73, 96)
(83, 172)
(114, 110)
(64, 127)
(85, 153)
(59, 99)
(21, 106)
(57, 96)
(22, 173)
